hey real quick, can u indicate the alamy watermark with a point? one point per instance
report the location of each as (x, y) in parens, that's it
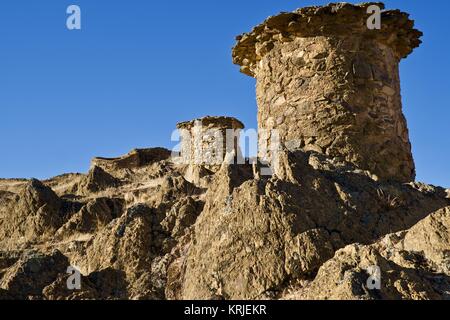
(73, 21)
(74, 280)
(374, 280)
(374, 21)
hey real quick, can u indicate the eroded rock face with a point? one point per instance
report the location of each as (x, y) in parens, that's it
(240, 237)
(35, 212)
(91, 218)
(314, 74)
(31, 273)
(414, 264)
(97, 180)
(135, 159)
(144, 226)
(296, 223)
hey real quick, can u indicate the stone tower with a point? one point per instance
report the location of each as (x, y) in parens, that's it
(330, 84)
(206, 141)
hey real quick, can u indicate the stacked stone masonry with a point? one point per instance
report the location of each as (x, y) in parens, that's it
(329, 84)
(206, 141)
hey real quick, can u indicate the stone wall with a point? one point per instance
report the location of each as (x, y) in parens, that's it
(206, 141)
(329, 84)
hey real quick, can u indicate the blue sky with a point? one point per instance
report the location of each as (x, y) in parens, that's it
(138, 67)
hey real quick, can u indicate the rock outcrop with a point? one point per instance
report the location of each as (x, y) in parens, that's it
(341, 201)
(27, 277)
(295, 224)
(414, 263)
(135, 159)
(36, 212)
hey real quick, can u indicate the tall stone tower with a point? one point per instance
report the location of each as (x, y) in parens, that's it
(330, 84)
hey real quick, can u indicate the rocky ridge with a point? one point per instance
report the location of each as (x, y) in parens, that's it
(311, 231)
(146, 226)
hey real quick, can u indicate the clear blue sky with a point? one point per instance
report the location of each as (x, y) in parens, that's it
(137, 67)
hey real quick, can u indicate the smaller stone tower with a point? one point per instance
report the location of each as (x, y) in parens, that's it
(326, 82)
(206, 141)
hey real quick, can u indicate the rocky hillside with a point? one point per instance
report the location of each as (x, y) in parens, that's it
(339, 218)
(137, 228)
